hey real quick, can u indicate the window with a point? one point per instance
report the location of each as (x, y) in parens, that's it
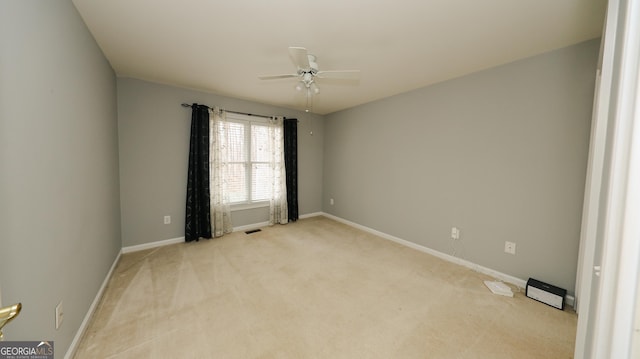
(249, 171)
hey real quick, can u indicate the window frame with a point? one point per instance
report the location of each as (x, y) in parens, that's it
(247, 121)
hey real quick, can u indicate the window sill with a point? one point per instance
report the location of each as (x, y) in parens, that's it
(246, 206)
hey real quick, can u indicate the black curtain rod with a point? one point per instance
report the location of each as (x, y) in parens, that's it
(236, 112)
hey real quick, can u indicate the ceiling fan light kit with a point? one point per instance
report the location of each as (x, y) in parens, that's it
(307, 71)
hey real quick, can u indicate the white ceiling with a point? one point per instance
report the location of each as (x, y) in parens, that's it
(221, 46)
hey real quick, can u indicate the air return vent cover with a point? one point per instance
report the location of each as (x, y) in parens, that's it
(546, 293)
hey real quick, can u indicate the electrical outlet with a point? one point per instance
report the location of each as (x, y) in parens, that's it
(331, 201)
(509, 247)
(59, 315)
(167, 219)
(455, 233)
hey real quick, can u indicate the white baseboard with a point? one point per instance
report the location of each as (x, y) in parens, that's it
(166, 242)
(476, 267)
(85, 322)
(149, 245)
(250, 227)
(521, 283)
(309, 215)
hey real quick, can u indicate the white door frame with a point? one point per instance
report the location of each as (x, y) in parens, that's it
(615, 300)
(593, 185)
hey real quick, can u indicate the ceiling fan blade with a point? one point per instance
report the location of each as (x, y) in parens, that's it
(272, 77)
(300, 57)
(346, 74)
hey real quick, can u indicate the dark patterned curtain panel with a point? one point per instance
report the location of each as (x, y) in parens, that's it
(198, 211)
(291, 166)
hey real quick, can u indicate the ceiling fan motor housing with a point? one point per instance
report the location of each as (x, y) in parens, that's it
(307, 78)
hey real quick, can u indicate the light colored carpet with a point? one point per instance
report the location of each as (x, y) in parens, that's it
(313, 289)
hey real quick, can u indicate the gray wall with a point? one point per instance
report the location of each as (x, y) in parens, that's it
(501, 154)
(154, 143)
(59, 206)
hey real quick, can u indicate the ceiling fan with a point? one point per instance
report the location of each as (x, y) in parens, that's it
(307, 72)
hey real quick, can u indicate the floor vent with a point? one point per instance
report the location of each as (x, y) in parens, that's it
(253, 231)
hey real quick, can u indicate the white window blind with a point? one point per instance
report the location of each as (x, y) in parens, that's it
(249, 171)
